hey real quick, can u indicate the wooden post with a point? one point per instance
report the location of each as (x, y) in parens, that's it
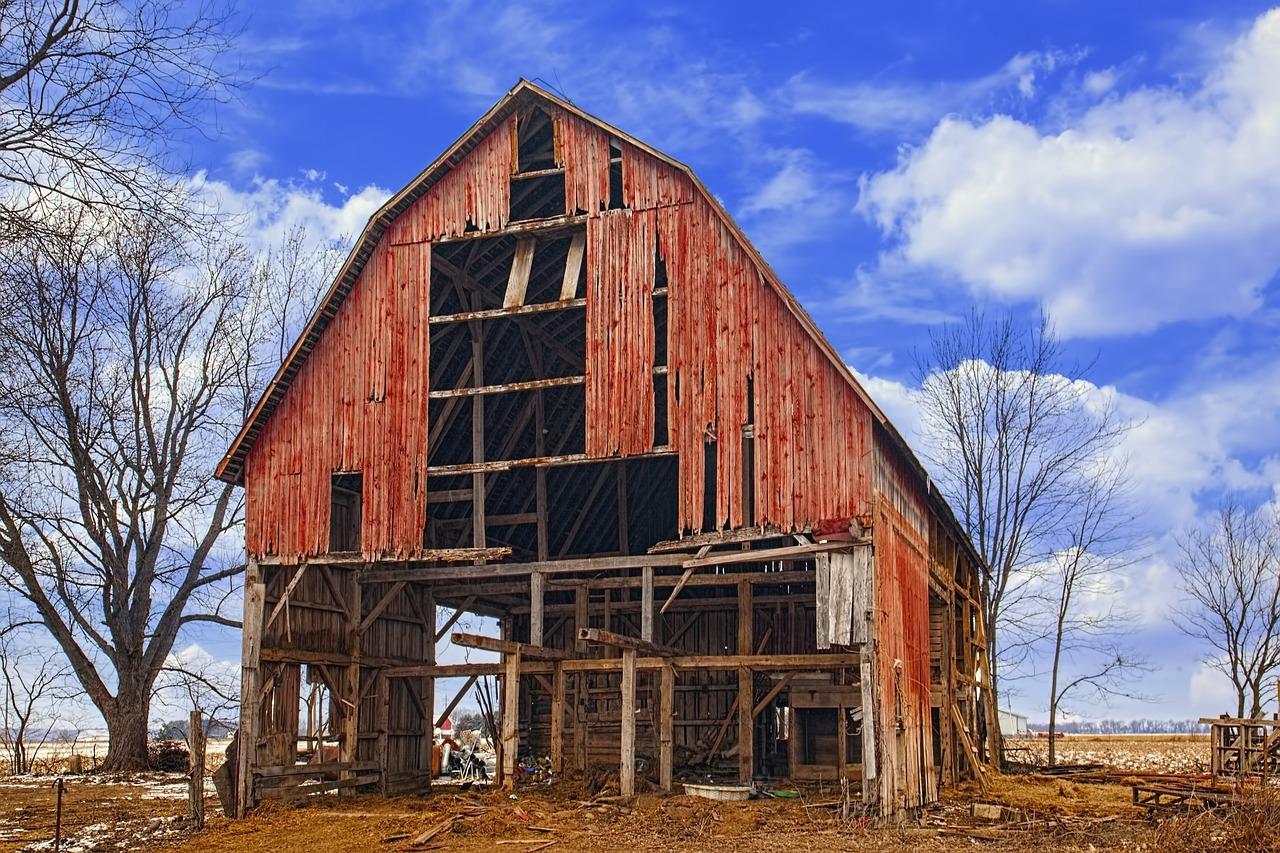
(870, 722)
(429, 687)
(666, 712)
(842, 741)
(627, 763)
(510, 719)
(746, 693)
(382, 722)
(557, 719)
(580, 617)
(646, 604)
(250, 683)
(477, 430)
(195, 792)
(350, 698)
(537, 584)
(744, 619)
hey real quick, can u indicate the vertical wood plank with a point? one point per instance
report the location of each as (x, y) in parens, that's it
(518, 280)
(573, 265)
(351, 678)
(537, 585)
(746, 725)
(510, 719)
(250, 680)
(666, 723)
(627, 762)
(429, 687)
(557, 718)
(646, 604)
(745, 618)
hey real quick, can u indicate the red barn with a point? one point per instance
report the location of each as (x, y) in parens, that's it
(555, 385)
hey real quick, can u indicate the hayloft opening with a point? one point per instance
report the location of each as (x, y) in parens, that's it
(345, 499)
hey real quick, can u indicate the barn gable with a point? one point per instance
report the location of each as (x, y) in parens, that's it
(552, 376)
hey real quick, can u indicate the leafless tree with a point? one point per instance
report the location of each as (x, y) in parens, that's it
(34, 682)
(1089, 658)
(1012, 428)
(93, 94)
(121, 384)
(1230, 580)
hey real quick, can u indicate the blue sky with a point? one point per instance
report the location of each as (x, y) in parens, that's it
(1117, 163)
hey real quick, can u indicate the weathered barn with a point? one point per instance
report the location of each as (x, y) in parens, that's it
(555, 385)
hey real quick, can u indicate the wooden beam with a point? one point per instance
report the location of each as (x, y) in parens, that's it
(508, 647)
(510, 718)
(627, 763)
(382, 605)
(727, 537)
(551, 567)
(557, 719)
(284, 596)
(250, 647)
(646, 604)
(537, 583)
(573, 266)
(763, 555)
(684, 579)
(621, 641)
(666, 714)
(762, 663)
(457, 614)
(521, 266)
(746, 616)
(772, 694)
(746, 725)
(457, 697)
(510, 387)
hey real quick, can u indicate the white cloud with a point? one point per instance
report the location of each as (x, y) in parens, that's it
(1152, 207)
(896, 106)
(269, 208)
(1212, 691)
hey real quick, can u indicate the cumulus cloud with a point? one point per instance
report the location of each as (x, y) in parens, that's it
(268, 208)
(1151, 207)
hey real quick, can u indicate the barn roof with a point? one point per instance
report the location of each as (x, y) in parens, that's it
(231, 468)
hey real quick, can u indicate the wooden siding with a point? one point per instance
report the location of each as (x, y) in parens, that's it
(902, 607)
(621, 250)
(476, 190)
(359, 403)
(582, 149)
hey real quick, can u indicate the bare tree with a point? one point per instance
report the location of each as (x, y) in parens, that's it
(34, 682)
(121, 384)
(1230, 580)
(92, 94)
(1012, 426)
(1089, 657)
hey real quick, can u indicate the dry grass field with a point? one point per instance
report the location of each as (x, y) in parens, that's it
(143, 813)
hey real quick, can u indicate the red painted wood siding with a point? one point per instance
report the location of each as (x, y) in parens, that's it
(902, 627)
(358, 403)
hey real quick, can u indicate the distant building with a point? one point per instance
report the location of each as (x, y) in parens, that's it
(1012, 724)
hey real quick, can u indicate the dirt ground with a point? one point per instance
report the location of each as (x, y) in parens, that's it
(143, 814)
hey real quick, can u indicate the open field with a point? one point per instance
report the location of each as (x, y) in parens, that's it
(143, 813)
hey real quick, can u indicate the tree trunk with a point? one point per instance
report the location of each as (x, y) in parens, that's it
(127, 736)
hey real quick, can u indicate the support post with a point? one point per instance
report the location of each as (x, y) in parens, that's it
(627, 764)
(744, 618)
(842, 740)
(557, 719)
(382, 724)
(666, 713)
(351, 680)
(195, 791)
(510, 719)
(537, 585)
(250, 681)
(746, 726)
(646, 604)
(429, 689)
(477, 430)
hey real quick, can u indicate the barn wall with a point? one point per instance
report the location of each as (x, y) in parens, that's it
(902, 628)
(358, 403)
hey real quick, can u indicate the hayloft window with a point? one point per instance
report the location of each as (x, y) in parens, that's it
(345, 511)
(537, 187)
(615, 176)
